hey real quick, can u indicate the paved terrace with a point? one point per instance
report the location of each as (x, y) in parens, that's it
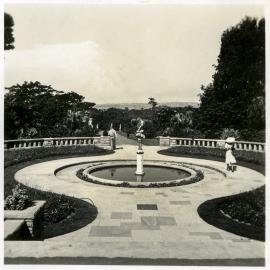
(169, 227)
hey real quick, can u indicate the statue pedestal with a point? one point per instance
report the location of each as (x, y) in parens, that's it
(139, 170)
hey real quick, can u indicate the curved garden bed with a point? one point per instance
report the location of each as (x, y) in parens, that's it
(242, 214)
(62, 214)
(244, 223)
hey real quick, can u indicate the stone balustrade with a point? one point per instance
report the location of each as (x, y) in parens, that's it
(211, 143)
(102, 141)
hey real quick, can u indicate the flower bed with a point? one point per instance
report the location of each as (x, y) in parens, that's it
(248, 207)
(242, 214)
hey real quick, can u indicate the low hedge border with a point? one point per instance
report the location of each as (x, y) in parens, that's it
(14, 156)
(241, 155)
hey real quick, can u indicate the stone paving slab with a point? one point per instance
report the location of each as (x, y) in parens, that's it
(121, 215)
(180, 202)
(110, 231)
(147, 207)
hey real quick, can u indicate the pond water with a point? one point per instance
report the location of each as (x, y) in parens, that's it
(151, 174)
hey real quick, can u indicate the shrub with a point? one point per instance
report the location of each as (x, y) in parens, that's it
(58, 208)
(19, 200)
(229, 132)
(252, 135)
(248, 207)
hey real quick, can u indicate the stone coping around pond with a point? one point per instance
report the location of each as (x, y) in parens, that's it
(100, 165)
(28, 213)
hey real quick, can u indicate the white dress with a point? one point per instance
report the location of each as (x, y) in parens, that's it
(230, 159)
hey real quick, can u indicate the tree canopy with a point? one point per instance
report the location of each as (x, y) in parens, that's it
(8, 32)
(236, 97)
(34, 105)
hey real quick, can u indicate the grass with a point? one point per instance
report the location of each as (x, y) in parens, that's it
(62, 214)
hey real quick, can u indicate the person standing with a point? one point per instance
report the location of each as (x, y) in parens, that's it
(229, 158)
(112, 133)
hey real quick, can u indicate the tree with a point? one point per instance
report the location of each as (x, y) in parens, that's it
(8, 32)
(152, 102)
(238, 81)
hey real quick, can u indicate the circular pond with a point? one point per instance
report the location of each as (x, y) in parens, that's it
(151, 173)
(156, 174)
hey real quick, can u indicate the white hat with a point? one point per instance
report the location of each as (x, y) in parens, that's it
(230, 140)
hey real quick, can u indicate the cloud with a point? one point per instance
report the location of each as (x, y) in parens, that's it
(64, 66)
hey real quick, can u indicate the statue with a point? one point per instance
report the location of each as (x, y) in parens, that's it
(90, 122)
(140, 136)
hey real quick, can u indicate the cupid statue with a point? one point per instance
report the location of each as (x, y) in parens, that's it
(139, 132)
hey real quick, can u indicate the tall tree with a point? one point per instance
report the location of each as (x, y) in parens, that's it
(238, 82)
(8, 34)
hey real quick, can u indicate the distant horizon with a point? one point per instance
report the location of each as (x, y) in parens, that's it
(135, 102)
(145, 105)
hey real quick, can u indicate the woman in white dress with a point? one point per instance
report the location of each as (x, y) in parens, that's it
(230, 159)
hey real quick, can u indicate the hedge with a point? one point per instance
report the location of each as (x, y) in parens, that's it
(241, 155)
(15, 156)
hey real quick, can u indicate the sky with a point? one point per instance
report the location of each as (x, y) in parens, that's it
(120, 53)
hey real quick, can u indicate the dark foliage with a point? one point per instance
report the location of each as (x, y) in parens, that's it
(248, 207)
(236, 97)
(19, 200)
(36, 110)
(8, 33)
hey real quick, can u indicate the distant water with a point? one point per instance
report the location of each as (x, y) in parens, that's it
(138, 106)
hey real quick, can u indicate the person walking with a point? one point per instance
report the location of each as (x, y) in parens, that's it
(112, 133)
(229, 157)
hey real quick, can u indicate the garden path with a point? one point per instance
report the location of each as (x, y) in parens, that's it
(170, 228)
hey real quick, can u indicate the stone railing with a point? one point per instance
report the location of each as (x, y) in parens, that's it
(211, 143)
(103, 142)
